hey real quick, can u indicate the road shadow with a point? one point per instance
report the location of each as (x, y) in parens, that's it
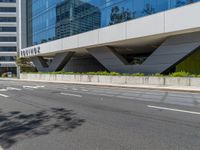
(16, 126)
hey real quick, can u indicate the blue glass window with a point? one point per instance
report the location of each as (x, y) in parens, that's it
(54, 19)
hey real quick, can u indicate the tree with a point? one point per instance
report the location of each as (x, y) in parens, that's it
(115, 15)
(120, 15)
(25, 64)
(148, 9)
(181, 3)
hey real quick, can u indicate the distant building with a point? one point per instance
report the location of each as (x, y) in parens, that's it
(74, 17)
(8, 36)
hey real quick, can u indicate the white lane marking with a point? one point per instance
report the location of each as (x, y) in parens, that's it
(1, 148)
(29, 87)
(3, 90)
(69, 94)
(84, 90)
(176, 110)
(4, 95)
(13, 89)
(91, 93)
(74, 89)
(10, 89)
(108, 95)
(32, 87)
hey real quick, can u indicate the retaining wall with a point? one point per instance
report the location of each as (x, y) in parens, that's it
(122, 80)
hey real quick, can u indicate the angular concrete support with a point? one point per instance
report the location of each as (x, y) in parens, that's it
(58, 63)
(83, 64)
(172, 51)
(109, 59)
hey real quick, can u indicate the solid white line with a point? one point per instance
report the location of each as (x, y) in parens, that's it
(4, 95)
(176, 110)
(68, 94)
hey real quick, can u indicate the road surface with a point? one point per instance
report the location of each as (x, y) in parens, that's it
(50, 116)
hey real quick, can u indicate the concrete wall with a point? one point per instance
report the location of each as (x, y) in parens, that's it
(115, 80)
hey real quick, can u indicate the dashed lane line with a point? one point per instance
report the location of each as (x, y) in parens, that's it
(3, 90)
(32, 87)
(13, 89)
(74, 89)
(3, 95)
(84, 90)
(69, 94)
(10, 89)
(175, 110)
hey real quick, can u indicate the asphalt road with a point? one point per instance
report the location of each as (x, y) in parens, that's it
(49, 116)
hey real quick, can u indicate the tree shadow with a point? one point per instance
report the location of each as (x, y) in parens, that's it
(16, 126)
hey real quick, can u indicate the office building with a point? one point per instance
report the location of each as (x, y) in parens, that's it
(8, 36)
(126, 36)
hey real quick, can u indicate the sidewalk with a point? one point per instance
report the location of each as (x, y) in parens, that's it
(151, 87)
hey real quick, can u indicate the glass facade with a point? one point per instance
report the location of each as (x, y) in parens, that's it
(54, 19)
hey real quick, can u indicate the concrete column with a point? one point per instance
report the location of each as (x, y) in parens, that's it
(109, 58)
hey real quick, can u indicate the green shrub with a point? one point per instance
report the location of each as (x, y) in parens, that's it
(198, 76)
(115, 74)
(158, 75)
(180, 74)
(90, 73)
(103, 73)
(138, 74)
